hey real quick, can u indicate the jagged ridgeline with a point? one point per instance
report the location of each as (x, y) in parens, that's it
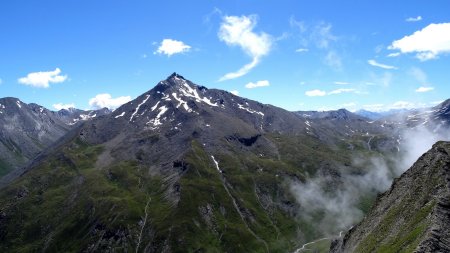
(183, 168)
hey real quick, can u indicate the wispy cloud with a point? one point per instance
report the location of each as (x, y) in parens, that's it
(341, 83)
(380, 65)
(258, 84)
(427, 43)
(60, 106)
(419, 75)
(238, 31)
(333, 60)
(424, 89)
(322, 35)
(339, 91)
(106, 100)
(396, 105)
(321, 93)
(43, 79)
(393, 54)
(301, 50)
(170, 47)
(413, 19)
(402, 105)
(300, 25)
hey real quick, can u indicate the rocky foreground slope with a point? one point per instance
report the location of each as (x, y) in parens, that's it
(413, 215)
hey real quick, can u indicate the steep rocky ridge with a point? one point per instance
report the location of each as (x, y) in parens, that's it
(412, 216)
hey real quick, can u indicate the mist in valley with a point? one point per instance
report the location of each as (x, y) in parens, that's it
(334, 204)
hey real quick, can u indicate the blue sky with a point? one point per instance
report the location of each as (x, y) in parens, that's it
(298, 55)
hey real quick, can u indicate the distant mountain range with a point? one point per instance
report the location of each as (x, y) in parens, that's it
(184, 168)
(27, 129)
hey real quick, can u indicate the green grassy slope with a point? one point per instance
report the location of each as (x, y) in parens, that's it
(66, 204)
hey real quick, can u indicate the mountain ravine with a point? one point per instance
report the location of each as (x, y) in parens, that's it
(412, 216)
(183, 168)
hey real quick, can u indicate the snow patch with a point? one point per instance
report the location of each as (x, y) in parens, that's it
(181, 102)
(188, 91)
(166, 97)
(121, 115)
(250, 110)
(155, 106)
(137, 108)
(18, 104)
(217, 164)
(157, 120)
(87, 116)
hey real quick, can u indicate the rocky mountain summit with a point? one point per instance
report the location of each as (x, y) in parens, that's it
(412, 216)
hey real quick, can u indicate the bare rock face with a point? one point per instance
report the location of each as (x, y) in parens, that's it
(413, 215)
(25, 130)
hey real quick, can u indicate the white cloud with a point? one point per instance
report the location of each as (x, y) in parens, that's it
(341, 83)
(413, 19)
(238, 31)
(315, 93)
(262, 83)
(339, 91)
(380, 65)
(424, 89)
(42, 79)
(105, 100)
(1, 81)
(333, 60)
(301, 50)
(427, 43)
(170, 47)
(60, 106)
(235, 92)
